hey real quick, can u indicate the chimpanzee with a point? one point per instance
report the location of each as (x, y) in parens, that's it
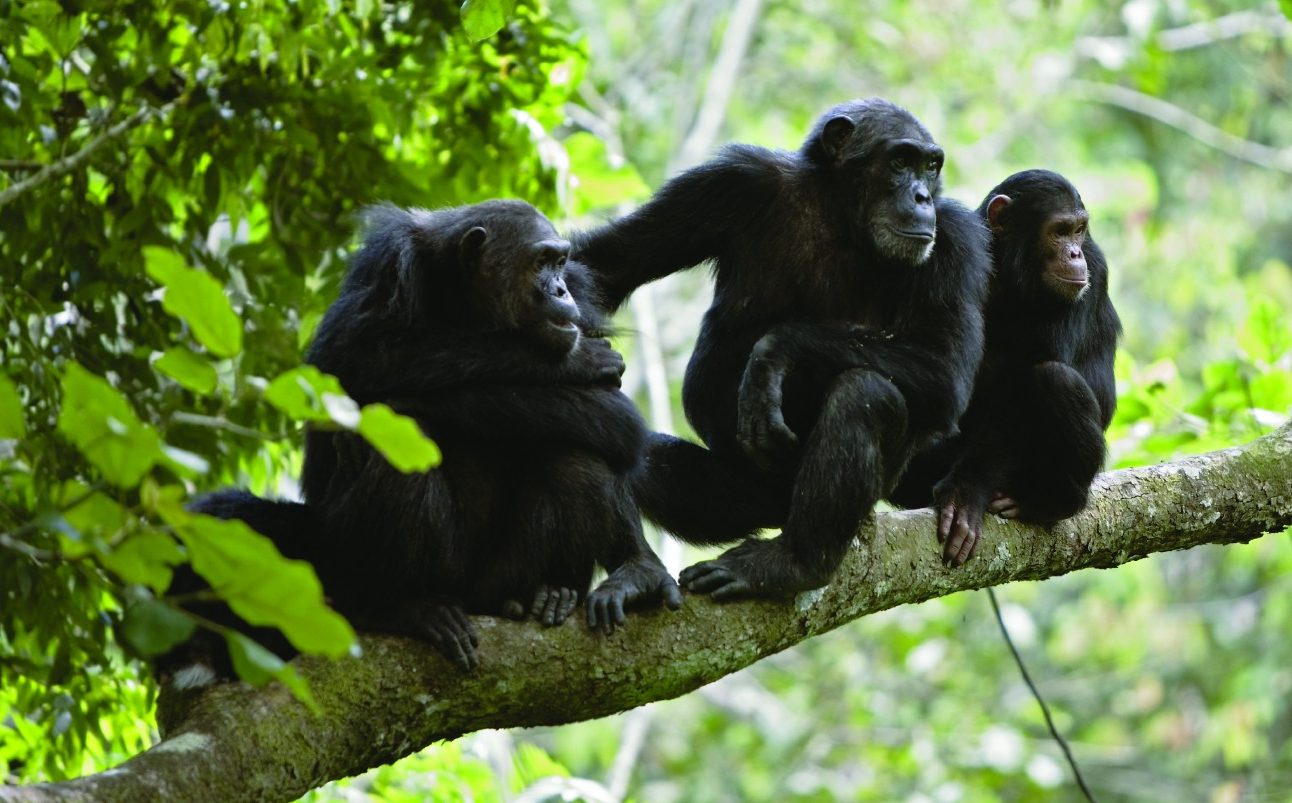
(472, 321)
(846, 240)
(1032, 439)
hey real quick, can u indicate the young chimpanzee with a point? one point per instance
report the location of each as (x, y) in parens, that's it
(846, 240)
(1032, 439)
(472, 321)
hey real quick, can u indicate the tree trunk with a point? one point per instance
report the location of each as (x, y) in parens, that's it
(235, 742)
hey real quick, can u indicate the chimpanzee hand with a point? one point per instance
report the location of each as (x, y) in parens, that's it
(638, 580)
(594, 362)
(760, 422)
(960, 515)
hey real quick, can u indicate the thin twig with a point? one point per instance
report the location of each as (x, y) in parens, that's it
(213, 422)
(66, 165)
(1045, 709)
(20, 164)
(1169, 114)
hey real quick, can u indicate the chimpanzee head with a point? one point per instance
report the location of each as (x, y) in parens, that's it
(886, 172)
(1040, 234)
(497, 265)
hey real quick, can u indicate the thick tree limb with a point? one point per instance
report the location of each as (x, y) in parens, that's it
(235, 742)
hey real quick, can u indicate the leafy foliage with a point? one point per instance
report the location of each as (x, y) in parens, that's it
(179, 187)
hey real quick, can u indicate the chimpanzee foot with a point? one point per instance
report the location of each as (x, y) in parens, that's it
(552, 605)
(756, 568)
(444, 624)
(636, 582)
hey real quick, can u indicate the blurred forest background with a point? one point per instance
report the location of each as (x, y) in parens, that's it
(220, 149)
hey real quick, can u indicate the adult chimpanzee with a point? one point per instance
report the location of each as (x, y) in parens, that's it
(848, 235)
(472, 321)
(1032, 439)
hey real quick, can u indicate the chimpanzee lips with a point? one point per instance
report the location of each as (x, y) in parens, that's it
(924, 235)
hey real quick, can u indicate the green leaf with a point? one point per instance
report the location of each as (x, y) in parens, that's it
(97, 419)
(308, 394)
(145, 558)
(12, 423)
(188, 369)
(197, 298)
(484, 18)
(398, 438)
(246, 570)
(258, 666)
(154, 627)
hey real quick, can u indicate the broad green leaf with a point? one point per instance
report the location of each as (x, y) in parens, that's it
(484, 18)
(154, 627)
(145, 558)
(258, 666)
(260, 585)
(308, 394)
(12, 424)
(398, 438)
(252, 662)
(197, 298)
(188, 369)
(97, 419)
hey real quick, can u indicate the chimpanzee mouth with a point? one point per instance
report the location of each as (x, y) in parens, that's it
(564, 326)
(923, 235)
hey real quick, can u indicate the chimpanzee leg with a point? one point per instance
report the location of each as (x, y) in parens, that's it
(585, 512)
(1062, 442)
(704, 498)
(856, 448)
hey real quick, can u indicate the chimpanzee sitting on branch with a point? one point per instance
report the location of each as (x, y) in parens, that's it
(472, 321)
(846, 239)
(1033, 437)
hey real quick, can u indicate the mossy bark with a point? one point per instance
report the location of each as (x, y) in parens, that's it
(235, 742)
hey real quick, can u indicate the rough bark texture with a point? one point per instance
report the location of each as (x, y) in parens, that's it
(235, 742)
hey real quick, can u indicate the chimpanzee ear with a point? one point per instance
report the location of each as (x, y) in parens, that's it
(835, 135)
(995, 207)
(471, 245)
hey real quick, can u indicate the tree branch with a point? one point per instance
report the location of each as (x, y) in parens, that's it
(235, 742)
(69, 163)
(1169, 114)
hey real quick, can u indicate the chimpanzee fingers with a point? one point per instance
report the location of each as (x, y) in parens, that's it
(670, 593)
(1003, 505)
(946, 517)
(451, 632)
(963, 539)
(778, 439)
(733, 589)
(512, 609)
(569, 598)
(602, 605)
(706, 577)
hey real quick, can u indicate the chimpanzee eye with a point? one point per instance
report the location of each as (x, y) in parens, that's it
(897, 165)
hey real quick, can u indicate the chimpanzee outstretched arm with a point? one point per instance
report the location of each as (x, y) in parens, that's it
(600, 420)
(688, 221)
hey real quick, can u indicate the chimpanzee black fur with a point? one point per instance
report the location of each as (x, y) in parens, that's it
(1032, 439)
(472, 321)
(845, 242)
